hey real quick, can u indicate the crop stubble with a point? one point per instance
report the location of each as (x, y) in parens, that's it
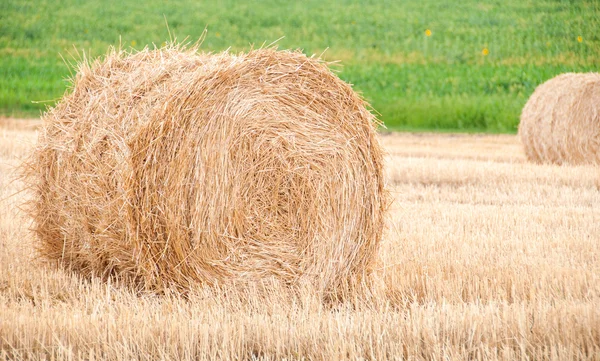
(485, 256)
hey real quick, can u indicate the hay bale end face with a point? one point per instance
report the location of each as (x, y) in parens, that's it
(561, 121)
(169, 168)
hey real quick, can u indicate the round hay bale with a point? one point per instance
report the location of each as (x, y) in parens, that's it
(168, 168)
(561, 121)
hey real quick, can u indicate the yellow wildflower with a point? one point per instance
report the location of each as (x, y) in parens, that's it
(427, 32)
(580, 38)
(485, 52)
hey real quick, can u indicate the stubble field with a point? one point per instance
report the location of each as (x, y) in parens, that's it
(485, 257)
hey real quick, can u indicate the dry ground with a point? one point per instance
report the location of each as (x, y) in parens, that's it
(486, 257)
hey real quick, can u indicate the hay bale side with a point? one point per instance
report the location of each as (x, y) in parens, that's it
(561, 121)
(169, 168)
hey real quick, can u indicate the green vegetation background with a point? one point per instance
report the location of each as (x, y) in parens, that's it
(447, 65)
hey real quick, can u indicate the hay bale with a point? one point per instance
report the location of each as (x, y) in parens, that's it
(561, 121)
(169, 168)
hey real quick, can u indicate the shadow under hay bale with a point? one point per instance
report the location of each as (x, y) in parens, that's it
(561, 121)
(168, 169)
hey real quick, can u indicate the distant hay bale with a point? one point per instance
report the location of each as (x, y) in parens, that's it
(168, 168)
(561, 121)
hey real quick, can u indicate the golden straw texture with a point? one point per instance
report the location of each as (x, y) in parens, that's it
(561, 121)
(169, 168)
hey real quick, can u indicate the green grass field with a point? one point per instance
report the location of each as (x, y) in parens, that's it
(448, 65)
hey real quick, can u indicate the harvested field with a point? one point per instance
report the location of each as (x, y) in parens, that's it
(485, 256)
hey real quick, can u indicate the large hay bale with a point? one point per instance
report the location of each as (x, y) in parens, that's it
(169, 168)
(561, 121)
